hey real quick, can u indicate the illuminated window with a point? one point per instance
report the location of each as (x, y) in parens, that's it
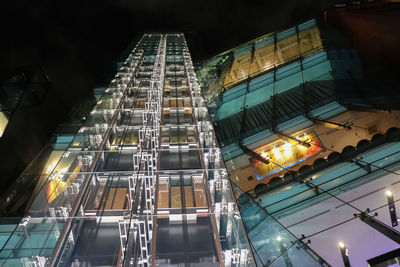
(3, 123)
(284, 154)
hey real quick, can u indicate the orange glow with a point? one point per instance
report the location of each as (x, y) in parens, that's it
(286, 154)
(55, 186)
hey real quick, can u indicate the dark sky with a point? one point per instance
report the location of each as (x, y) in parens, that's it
(78, 42)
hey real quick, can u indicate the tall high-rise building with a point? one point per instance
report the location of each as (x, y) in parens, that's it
(142, 183)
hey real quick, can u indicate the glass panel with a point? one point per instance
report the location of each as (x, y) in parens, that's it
(270, 241)
(267, 55)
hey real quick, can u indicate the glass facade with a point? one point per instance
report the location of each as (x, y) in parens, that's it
(272, 51)
(275, 62)
(143, 182)
(313, 173)
(272, 243)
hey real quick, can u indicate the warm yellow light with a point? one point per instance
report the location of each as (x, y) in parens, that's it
(341, 244)
(287, 149)
(60, 173)
(278, 238)
(277, 153)
(306, 139)
(264, 155)
(389, 193)
(301, 147)
(3, 122)
(51, 167)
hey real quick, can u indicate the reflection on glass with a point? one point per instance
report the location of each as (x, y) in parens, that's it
(307, 42)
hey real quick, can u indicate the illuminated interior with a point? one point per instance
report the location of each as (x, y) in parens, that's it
(284, 155)
(59, 181)
(266, 57)
(331, 137)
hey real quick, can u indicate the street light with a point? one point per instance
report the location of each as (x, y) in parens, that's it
(392, 208)
(345, 254)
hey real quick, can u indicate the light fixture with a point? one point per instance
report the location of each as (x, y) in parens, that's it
(301, 147)
(264, 155)
(278, 238)
(345, 254)
(392, 208)
(51, 167)
(287, 149)
(307, 139)
(277, 153)
(60, 173)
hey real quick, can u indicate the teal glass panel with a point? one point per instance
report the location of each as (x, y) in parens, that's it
(242, 50)
(231, 107)
(306, 25)
(286, 33)
(234, 92)
(262, 82)
(264, 42)
(272, 244)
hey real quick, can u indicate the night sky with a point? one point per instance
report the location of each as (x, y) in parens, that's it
(78, 42)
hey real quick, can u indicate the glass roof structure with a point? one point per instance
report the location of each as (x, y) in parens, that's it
(297, 79)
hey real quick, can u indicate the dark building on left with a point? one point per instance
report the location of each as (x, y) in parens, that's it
(31, 109)
(26, 97)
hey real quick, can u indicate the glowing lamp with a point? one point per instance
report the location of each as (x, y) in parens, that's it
(287, 149)
(51, 167)
(277, 153)
(264, 155)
